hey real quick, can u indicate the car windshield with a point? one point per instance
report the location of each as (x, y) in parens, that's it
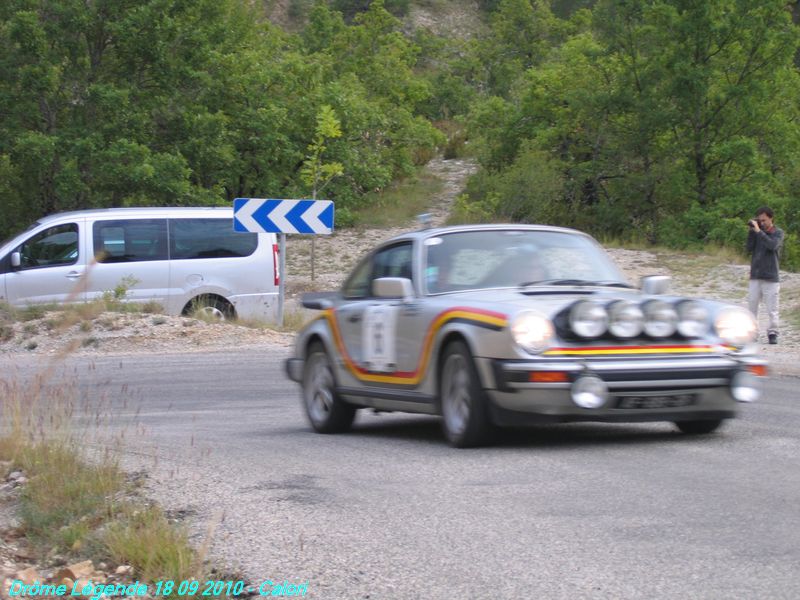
(513, 258)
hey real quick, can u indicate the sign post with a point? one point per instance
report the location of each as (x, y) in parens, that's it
(261, 215)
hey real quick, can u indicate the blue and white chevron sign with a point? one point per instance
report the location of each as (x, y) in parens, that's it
(283, 216)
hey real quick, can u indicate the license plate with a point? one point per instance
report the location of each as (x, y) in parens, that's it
(674, 401)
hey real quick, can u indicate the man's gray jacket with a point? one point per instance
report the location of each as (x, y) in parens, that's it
(765, 248)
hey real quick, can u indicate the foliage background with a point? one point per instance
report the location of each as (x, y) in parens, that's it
(658, 121)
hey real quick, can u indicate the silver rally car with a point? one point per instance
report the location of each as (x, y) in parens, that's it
(506, 325)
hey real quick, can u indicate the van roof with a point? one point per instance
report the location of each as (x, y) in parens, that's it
(146, 211)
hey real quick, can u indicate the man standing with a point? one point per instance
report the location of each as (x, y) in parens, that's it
(764, 242)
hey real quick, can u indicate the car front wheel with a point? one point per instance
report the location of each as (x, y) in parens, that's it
(465, 415)
(326, 411)
(698, 427)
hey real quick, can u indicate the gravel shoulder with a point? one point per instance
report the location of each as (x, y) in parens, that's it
(694, 275)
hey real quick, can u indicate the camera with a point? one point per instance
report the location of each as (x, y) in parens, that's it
(751, 223)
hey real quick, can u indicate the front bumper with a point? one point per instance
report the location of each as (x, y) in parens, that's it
(646, 389)
(294, 369)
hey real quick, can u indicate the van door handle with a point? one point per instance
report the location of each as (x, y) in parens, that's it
(72, 275)
(354, 318)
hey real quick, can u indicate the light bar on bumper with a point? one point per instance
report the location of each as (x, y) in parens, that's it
(655, 318)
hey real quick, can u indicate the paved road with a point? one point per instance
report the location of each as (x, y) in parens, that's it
(390, 511)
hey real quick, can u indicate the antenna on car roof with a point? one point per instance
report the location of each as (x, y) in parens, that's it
(425, 220)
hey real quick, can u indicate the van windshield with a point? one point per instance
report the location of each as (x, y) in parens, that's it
(28, 228)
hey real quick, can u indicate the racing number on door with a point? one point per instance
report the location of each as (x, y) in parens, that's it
(379, 338)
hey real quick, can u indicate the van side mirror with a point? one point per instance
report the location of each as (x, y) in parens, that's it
(393, 288)
(16, 260)
(656, 285)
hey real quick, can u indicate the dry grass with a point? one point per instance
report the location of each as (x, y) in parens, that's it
(77, 502)
(400, 203)
(154, 547)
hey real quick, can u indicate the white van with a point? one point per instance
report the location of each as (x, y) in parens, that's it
(180, 258)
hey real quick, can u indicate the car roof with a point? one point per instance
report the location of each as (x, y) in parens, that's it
(437, 231)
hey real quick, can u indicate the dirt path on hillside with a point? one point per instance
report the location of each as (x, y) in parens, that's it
(338, 253)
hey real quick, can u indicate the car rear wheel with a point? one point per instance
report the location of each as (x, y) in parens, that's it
(326, 411)
(465, 414)
(698, 427)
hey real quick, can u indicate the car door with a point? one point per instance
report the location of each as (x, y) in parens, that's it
(376, 332)
(52, 267)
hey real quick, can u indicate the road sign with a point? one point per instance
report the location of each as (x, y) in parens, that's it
(283, 216)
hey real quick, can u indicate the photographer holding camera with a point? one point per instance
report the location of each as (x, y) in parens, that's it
(764, 242)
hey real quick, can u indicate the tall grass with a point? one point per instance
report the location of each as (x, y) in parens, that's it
(77, 501)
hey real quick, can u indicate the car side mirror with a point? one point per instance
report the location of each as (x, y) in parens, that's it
(656, 285)
(393, 288)
(318, 300)
(16, 260)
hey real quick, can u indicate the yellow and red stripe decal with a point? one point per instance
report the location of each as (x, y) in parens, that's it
(473, 315)
(633, 350)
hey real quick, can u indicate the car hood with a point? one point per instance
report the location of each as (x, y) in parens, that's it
(548, 300)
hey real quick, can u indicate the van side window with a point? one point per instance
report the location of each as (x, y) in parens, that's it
(130, 240)
(54, 246)
(208, 238)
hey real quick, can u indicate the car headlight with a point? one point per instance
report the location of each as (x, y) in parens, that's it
(625, 319)
(736, 326)
(660, 319)
(692, 319)
(532, 332)
(588, 319)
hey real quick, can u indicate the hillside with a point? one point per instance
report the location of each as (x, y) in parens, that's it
(706, 275)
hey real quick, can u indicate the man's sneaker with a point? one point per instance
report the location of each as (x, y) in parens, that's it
(773, 338)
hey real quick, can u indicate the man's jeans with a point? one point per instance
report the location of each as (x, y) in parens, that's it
(766, 291)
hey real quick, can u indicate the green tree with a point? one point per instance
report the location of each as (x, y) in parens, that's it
(315, 173)
(521, 34)
(167, 102)
(671, 119)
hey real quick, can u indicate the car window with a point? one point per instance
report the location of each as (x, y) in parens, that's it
(507, 258)
(394, 261)
(208, 238)
(55, 246)
(357, 285)
(130, 240)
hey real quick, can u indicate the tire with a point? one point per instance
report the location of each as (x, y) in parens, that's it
(698, 427)
(465, 407)
(325, 410)
(212, 308)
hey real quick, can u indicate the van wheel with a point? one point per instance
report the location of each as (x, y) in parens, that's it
(210, 307)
